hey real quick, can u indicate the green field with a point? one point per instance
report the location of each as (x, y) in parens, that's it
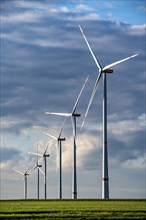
(73, 209)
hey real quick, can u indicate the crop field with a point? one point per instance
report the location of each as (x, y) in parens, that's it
(73, 209)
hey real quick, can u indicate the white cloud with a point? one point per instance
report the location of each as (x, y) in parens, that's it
(87, 145)
(38, 40)
(3, 165)
(138, 163)
(82, 7)
(64, 9)
(31, 16)
(90, 17)
(61, 9)
(8, 165)
(124, 128)
(25, 17)
(29, 4)
(7, 122)
(137, 29)
(15, 124)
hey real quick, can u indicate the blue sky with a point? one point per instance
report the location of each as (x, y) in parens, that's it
(44, 62)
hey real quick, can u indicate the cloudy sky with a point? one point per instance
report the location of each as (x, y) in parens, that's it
(44, 63)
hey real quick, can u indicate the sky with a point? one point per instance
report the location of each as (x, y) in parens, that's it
(44, 63)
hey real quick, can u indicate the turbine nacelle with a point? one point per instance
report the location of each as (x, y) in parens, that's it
(39, 165)
(76, 114)
(61, 139)
(110, 70)
(46, 155)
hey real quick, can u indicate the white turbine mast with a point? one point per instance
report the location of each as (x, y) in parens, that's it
(73, 116)
(25, 175)
(38, 168)
(102, 72)
(59, 140)
(44, 155)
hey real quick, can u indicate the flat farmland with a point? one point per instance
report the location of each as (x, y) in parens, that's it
(73, 209)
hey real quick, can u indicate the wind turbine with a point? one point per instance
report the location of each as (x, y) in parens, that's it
(59, 140)
(25, 174)
(73, 116)
(38, 167)
(44, 155)
(102, 71)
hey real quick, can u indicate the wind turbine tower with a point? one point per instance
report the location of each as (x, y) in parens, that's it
(102, 71)
(25, 174)
(38, 167)
(73, 116)
(44, 155)
(59, 140)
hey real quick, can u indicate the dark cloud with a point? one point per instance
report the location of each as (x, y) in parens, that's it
(9, 154)
(45, 62)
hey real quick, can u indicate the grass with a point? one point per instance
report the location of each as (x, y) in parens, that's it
(73, 209)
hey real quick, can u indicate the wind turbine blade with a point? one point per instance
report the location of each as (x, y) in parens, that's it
(92, 96)
(35, 154)
(120, 61)
(18, 172)
(29, 160)
(93, 55)
(48, 143)
(32, 170)
(62, 128)
(28, 166)
(51, 136)
(76, 103)
(56, 113)
(41, 171)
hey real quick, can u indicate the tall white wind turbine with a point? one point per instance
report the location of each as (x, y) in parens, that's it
(102, 72)
(59, 140)
(73, 116)
(25, 175)
(44, 155)
(38, 168)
